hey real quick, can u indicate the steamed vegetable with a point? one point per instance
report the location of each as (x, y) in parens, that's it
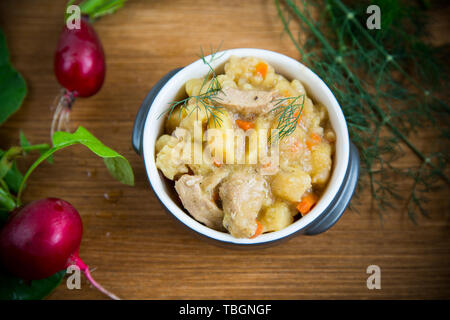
(261, 68)
(245, 125)
(313, 140)
(259, 230)
(308, 201)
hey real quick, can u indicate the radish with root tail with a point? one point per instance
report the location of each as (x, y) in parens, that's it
(79, 61)
(43, 238)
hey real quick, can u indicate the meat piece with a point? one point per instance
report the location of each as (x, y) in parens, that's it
(182, 134)
(211, 181)
(242, 194)
(245, 102)
(197, 202)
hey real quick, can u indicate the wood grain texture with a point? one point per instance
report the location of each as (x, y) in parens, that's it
(137, 250)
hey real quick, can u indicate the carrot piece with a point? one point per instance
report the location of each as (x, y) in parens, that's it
(259, 229)
(216, 163)
(261, 68)
(314, 139)
(266, 165)
(307, 203)
(245, 125)
(286, 93)
(296, 115)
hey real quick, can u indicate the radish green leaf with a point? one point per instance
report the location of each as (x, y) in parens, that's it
(118, 166)
(14, 288)
(12, 85)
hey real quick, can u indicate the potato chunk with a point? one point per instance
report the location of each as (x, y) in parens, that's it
(172, 153)
(174, 118)
(276, 217)
(193, 86)
(321, 163)
(168, 161)
(290, 184)
(195, 115)
(165, 139)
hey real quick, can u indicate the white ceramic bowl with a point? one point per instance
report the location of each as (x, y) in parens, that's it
(283, 65)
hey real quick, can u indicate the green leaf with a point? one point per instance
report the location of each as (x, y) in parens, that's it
(23, 140)
(9, 172)
(6, 200)
(13, 178)
(12, 85)
(14, 288)
(24, 143)
(97, 8)
(118, 166)
(7, 160)
(120, 170)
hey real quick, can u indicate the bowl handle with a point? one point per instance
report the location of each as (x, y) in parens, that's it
(337, 207)
(141, 117)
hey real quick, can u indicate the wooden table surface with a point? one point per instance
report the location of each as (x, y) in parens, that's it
(137, 250)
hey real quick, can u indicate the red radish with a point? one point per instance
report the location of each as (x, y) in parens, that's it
(43, 238)
(79, 67)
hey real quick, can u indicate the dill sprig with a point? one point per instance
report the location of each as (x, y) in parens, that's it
(202, 100)
(288, 111)
(370, 73)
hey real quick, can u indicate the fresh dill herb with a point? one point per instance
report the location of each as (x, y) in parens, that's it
(202, 101)
(375, 74)
(288, 111)
(284, 108)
